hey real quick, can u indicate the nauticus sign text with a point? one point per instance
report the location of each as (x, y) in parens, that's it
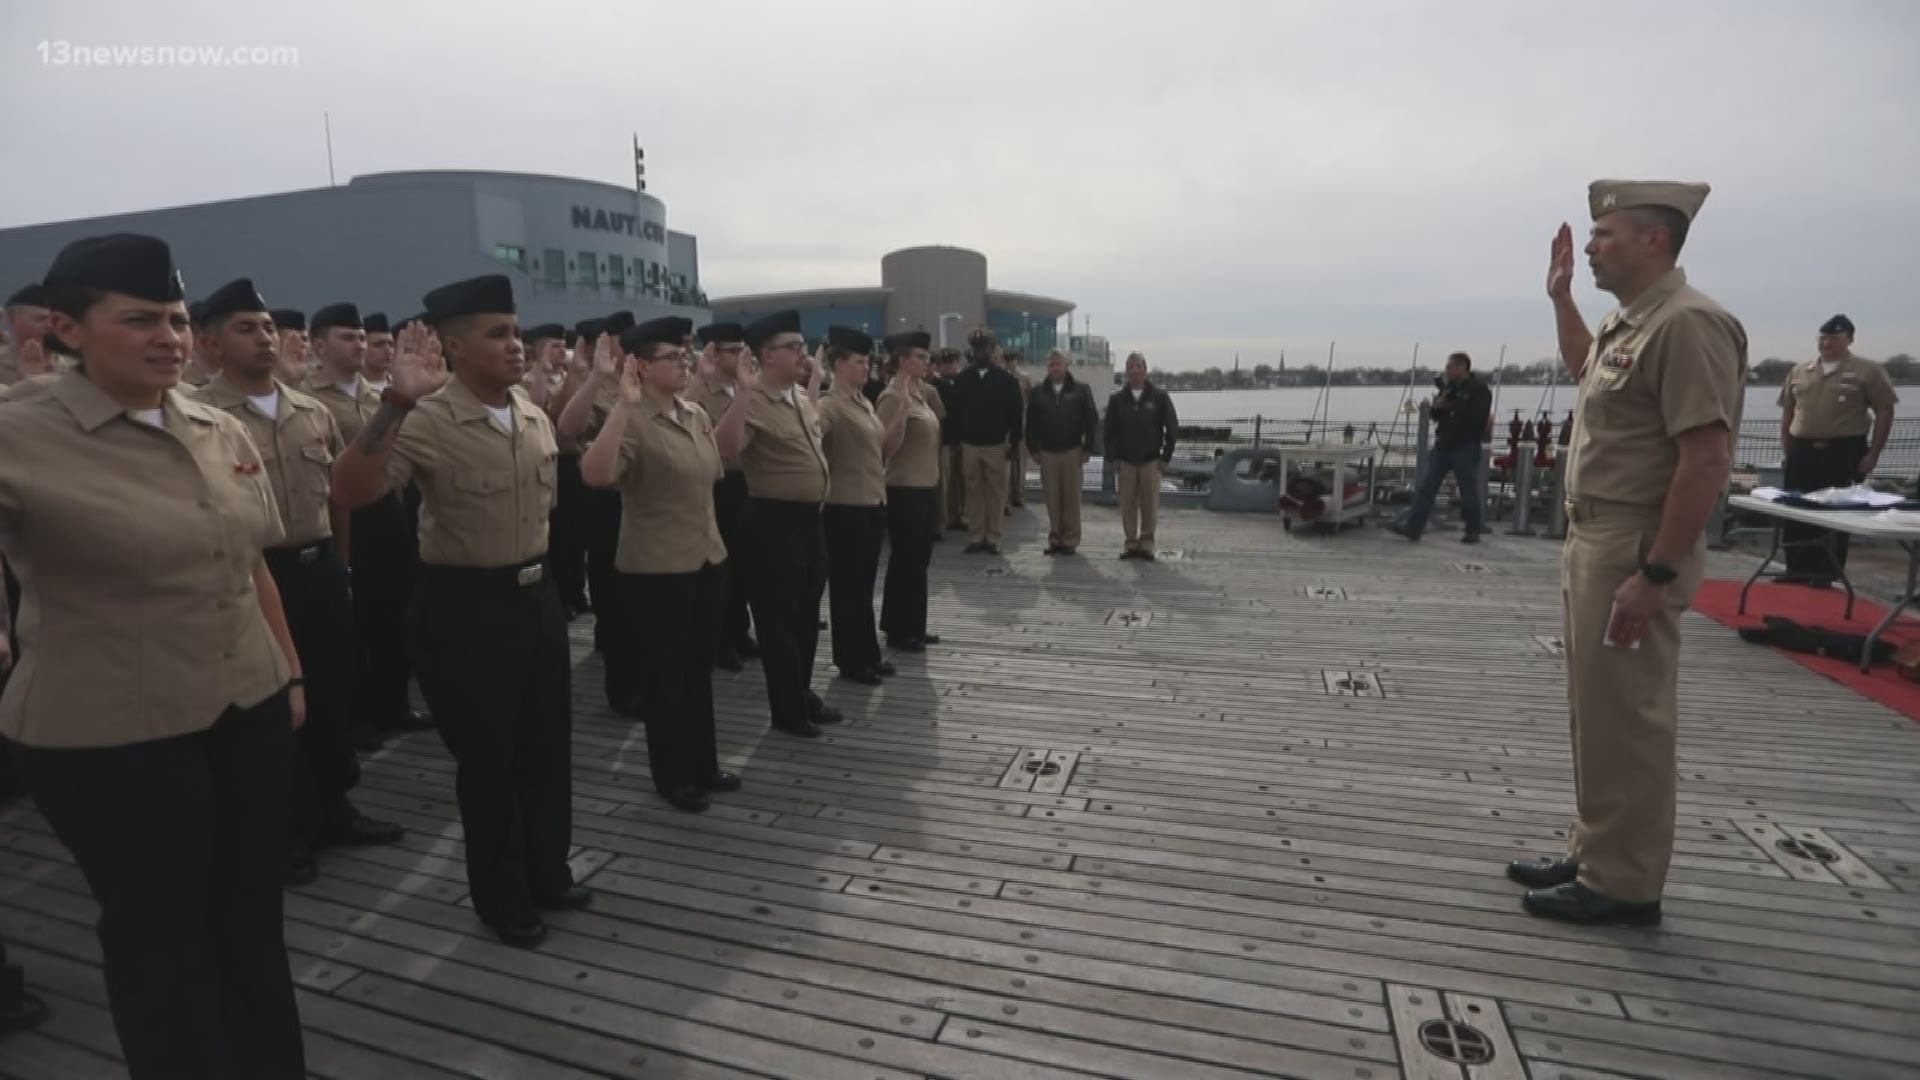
(586, 217)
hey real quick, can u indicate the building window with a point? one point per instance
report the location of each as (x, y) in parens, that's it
(617, 272)
(556, 266)
(587, 270)
(513, 256)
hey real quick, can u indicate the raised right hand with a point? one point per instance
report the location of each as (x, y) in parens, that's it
(33, 358)
(418, 367)
(748, 375)
(630, 388)
(1560, 264)
(606, 364)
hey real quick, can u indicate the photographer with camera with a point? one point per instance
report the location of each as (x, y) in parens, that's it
(1461, 408)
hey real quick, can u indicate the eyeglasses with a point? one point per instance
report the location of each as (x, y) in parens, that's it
(681, 357)
(800, 345)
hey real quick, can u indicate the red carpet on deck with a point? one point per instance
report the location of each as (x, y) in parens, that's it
(1720, 600)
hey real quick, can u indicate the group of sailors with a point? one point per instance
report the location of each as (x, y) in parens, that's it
(224, 589)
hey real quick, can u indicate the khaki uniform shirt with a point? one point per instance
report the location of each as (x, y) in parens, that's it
(667, 468)
(484, 493)
(1839, 405)
(297, 447)
(31, 386)
(351, 410)
(1673, 361)
(917, 463)
(780, 450)
(855, 444)
(716, 398)
(135, 547)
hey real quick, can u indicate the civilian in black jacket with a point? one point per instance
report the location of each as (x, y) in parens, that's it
(1062, 426)
(986, 418)
(1141, 428)
(1462, 409)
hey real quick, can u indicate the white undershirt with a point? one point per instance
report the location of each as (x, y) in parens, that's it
(1828, 367)
(268, 404)
(379, 387)
(147, 416)
(788, 396)
(1136, 394)
(502, 417)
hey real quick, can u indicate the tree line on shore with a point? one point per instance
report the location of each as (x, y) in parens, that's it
(1901, 368)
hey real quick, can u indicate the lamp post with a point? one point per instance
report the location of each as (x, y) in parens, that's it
(943, 325)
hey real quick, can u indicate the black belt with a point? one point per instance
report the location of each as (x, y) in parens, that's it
(1822, 444)
(520, 574)
(300, 556)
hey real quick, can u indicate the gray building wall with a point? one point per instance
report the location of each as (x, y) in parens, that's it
(382, 241)
(929, 282)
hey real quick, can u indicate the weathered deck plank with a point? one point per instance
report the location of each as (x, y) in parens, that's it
(1231, 871)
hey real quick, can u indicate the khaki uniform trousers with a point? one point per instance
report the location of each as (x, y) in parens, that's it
(1139, 503)
(953, 482)
(1017, 475)
(1623, 703)
(985, 478)
(1060, 480)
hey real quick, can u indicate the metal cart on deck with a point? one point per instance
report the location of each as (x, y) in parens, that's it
(1335, 470)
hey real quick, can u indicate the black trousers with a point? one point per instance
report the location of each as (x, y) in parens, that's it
(600, 528)
(730, 513)
(566, 535)
(313, 589)
(786, 573)
(384, 546)
(491, 654)
(13, 982)
(183, 842)
(10, 782)
(853, 535)
(1813, 464)
(913, 520)
(672, 654)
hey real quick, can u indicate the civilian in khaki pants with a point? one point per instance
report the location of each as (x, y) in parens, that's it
(1062, 426)
(1139, 506)
(984, 474)
(985, 417)
(1140, 431)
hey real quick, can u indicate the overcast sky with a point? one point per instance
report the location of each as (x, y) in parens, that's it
(1204, 178)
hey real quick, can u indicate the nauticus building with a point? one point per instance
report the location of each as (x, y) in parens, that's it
(575, 249)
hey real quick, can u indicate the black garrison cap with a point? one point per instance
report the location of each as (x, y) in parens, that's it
(722, 333)
(335, 315)
(126, 263)
(33, 294)
(235, 296)
(488, 294)
(760, 330)
(846, 337)
(671, 330)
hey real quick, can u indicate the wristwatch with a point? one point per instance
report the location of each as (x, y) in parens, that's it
(1658, 573)
(393, 397)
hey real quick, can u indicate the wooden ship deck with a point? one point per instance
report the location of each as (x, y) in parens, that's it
(1238, 813)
